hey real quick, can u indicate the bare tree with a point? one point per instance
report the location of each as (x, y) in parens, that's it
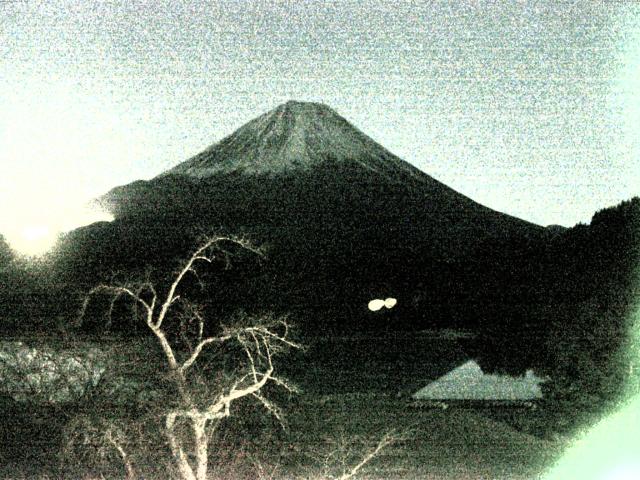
(188, 424)
(343, 463)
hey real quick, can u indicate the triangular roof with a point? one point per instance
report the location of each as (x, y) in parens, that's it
(469, 382)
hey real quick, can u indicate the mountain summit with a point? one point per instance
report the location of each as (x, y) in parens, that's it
(304, 161)
(292, 137)
(344, 219)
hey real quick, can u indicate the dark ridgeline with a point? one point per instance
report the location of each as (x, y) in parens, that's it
(575, 292)
(593, 280)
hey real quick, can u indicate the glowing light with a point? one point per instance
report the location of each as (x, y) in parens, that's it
(34, 240)
(34, 234)
(54, 143)
(377, 304)
(390, 302)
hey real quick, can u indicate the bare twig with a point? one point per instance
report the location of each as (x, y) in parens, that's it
(261, 340)
(351, 472)
(128, 466)
(198, 349)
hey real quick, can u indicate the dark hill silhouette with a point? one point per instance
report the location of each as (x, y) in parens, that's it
(344, 221)
(569, 310)
(342, 217)
(577, 284)
(6, 254)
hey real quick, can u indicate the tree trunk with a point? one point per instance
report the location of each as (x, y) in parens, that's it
(182, 462)
(202, 460)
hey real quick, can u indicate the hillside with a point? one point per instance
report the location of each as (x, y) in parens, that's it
(342, 217)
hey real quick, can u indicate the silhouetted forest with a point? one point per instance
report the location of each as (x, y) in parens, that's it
(565, 308)
(556, 300)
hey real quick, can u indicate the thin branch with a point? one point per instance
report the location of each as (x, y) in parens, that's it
(154, 296)
(280, 338)
(234, 393)
(200, 325)
(270, 407)
(123, 455)
(250, 357)
(202, 257)
(385, 441)
(255, 341)
(112, 304)
(197, 255)
(286, 385)
(196, 352)
(115, 291)
(191, 312)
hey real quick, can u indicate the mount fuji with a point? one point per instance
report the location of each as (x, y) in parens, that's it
(343, 219)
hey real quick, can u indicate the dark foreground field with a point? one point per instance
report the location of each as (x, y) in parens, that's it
(353, 394)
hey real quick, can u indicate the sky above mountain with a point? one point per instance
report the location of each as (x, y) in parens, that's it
(530, 108)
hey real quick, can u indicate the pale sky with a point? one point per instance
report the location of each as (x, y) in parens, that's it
(531, 108)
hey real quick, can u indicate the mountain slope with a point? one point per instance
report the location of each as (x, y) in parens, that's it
(294, 136)
(343, 218)
(303, 158)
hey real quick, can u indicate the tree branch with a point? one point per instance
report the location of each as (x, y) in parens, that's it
(116, 292)
(182, 460)
(260, 342)
(385, 441)
(197, 255)
(130, 472)
(196, 352)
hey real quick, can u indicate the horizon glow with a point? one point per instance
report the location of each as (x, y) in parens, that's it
(34, 233)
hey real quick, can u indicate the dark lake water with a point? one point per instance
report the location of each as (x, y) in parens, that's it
(396, 363)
